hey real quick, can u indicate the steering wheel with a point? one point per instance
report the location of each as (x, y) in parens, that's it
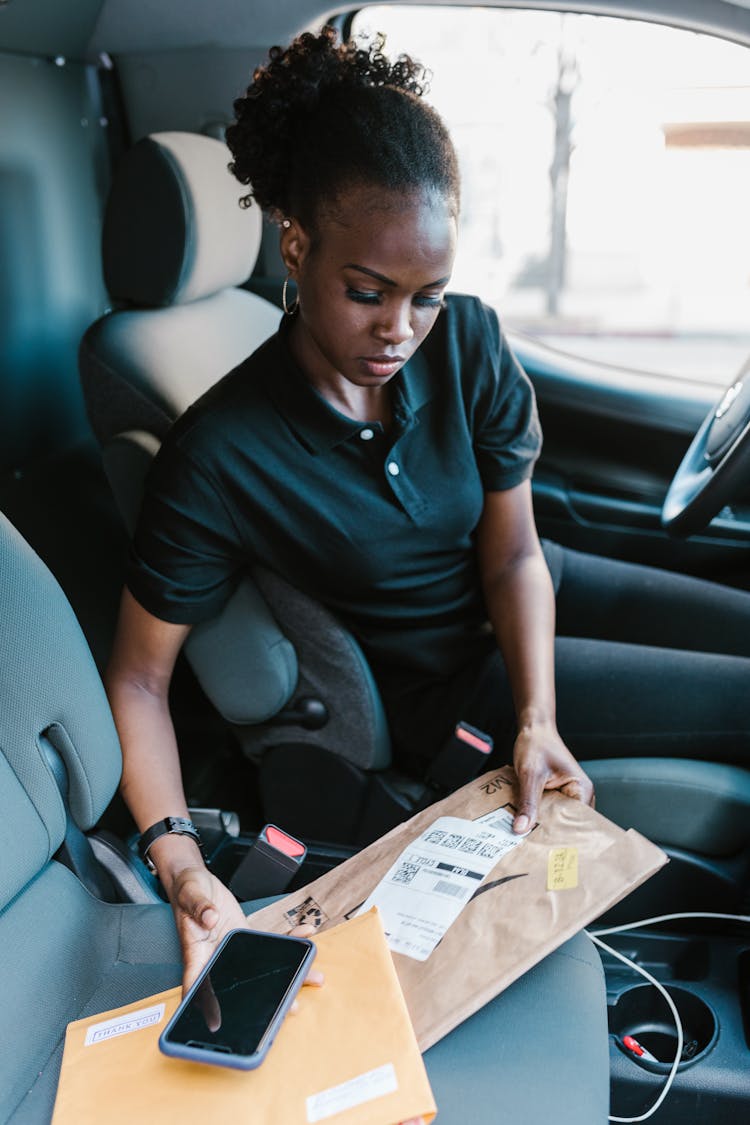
(715, 466)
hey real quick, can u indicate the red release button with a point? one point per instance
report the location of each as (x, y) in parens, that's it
(283, 843)
(473, 740)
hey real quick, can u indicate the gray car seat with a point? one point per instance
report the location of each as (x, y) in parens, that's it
(68, 954)
(176, 245)
(275, 663)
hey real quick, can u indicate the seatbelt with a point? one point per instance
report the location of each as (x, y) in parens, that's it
(465, 754)
(268, 867)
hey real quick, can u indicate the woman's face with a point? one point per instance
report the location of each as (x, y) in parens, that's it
(370, 284)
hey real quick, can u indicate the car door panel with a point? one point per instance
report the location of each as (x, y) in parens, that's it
(612, 442)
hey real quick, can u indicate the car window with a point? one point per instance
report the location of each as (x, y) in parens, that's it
(606, 173)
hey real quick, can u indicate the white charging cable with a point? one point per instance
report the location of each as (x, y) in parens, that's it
(667, 918)
(596, 936)
(678, 1024)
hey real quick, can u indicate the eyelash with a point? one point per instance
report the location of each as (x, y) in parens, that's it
(374, 299)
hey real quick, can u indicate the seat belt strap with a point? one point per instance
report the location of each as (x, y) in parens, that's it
(464, 755)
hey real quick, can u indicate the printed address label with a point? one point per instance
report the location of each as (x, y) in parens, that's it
(357, 1091)
(427, 887)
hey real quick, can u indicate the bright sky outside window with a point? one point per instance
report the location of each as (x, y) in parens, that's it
(606, 168)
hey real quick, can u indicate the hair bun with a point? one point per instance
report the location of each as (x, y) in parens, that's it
(305, 123)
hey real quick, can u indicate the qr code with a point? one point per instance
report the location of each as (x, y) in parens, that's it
(452, 841)
(405, 873)
(470, 844)
(490, 850)
(435, 837)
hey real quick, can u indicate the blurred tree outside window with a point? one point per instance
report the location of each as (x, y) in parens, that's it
(606, 179)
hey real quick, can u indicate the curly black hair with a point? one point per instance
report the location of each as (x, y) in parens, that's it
(320, 117)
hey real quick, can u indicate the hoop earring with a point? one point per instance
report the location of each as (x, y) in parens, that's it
(288, 309)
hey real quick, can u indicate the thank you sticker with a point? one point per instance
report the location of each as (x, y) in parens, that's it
(124, 1025)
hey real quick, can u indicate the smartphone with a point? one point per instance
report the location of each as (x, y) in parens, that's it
(231, 1014)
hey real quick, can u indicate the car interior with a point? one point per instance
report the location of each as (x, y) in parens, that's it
(131, 282)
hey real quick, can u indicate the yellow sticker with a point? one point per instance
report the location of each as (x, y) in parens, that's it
(562, 869)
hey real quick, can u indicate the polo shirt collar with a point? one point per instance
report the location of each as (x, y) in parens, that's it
(318, 424)
(414, 382)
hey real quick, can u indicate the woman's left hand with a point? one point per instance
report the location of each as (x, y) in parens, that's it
(542, 761)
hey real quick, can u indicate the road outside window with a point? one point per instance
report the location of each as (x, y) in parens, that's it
(606, 169)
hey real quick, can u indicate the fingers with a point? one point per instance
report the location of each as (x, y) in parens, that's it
(198, 919)
(579, 789)
(206, 915)
(314, 976)
(305, 930)
(543, 761)
(530, 787)
(191, 970)
(193, 900)
(202, 910)
(209, 1005)
(522, 824)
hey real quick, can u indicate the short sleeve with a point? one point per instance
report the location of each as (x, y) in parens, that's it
(185, 561)
(507, 435)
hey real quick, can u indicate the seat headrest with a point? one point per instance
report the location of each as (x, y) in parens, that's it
(173, 229)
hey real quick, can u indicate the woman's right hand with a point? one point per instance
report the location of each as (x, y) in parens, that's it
(138, 679)
(204, 911)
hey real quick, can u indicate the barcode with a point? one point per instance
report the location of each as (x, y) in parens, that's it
(443, 887)
(405, 873)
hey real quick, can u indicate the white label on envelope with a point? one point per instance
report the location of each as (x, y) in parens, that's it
(364, 1088)
(123, 1025)
(427, 887)
(501, 819)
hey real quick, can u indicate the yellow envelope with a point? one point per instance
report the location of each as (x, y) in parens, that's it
(348, 1054)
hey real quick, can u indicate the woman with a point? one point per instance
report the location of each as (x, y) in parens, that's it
(376, 452)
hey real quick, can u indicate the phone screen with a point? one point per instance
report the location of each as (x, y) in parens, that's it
(232, 1007)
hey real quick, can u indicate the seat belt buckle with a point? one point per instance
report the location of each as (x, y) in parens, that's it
(464, 755)
(269, 865)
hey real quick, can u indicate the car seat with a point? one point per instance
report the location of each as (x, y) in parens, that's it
(66, 953)
(176, 245)
(293, 684)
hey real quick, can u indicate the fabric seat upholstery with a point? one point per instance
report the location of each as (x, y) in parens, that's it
(699, 806)
(65, 954)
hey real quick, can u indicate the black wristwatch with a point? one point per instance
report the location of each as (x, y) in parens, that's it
(178, 826)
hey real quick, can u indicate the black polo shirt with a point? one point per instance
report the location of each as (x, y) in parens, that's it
(379, 526)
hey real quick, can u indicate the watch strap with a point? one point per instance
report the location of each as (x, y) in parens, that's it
(174, 825)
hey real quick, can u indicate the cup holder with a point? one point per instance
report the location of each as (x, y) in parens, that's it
(643, 1013)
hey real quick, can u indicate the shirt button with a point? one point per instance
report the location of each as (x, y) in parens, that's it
(366, 435)
(393, 468)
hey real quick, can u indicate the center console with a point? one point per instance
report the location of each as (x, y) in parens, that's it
(706, 971)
